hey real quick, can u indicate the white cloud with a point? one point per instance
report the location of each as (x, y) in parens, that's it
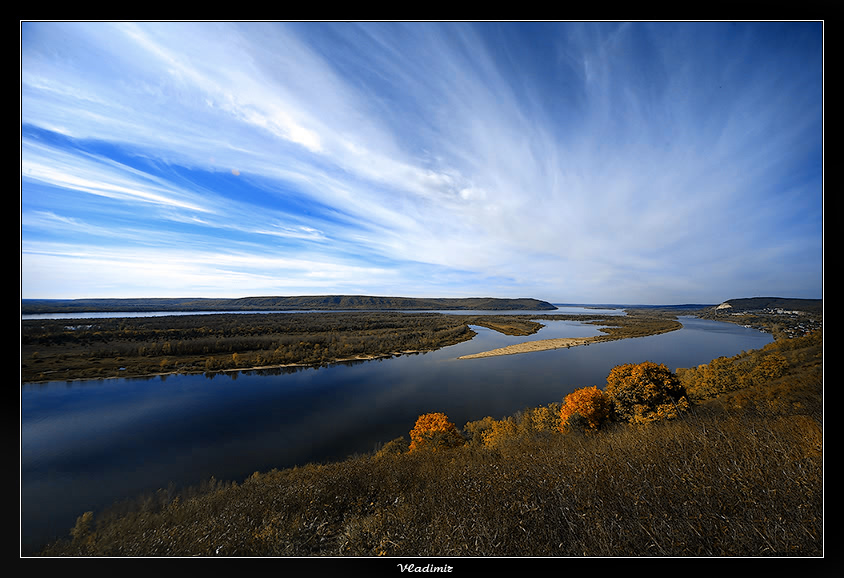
(598, 153)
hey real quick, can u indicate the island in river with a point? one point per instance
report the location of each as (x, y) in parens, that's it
(637, 323)
(109, 347)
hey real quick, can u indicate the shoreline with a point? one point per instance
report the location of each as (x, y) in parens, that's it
(315, 365)
(538, 345)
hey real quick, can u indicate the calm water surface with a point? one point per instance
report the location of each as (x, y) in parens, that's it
(87, 444)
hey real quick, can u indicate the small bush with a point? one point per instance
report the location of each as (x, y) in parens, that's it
(393, 447)
(500, 432)
(585, 409)
(434, 431)
(475, 430)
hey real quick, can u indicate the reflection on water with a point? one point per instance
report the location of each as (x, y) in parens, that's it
(85, 445)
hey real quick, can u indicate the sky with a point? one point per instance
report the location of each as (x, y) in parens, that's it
(595, 162)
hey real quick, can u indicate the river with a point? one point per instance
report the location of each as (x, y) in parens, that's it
(87, 444)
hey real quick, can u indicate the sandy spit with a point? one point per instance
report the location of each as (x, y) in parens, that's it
(528, 346)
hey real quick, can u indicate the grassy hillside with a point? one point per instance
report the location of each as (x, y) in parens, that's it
(739, 475)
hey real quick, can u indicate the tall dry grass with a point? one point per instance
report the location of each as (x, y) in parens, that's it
(712, 484)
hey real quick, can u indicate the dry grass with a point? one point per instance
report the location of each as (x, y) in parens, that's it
(712, 484)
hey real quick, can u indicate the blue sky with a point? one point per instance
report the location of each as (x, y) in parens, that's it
(571, 162)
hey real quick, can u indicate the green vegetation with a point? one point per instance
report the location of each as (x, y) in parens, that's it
(736, 473)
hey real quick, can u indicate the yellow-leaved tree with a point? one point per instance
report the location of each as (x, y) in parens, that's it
(585, 409)
(645, 392)
(433, 431)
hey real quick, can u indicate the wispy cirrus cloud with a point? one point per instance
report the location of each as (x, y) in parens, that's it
(575, 162)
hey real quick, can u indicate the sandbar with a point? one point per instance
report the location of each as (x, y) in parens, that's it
(528, 346)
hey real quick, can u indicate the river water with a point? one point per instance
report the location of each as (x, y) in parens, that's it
(85, 445)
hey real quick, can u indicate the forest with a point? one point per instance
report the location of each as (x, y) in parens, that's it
(95, 348)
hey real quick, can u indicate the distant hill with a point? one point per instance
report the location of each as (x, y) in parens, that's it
(771, 303)
(692, 306)
(314, 302)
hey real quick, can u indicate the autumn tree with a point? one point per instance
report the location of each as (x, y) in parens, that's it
(530, 423)
(434, 431)
(586, 408)
(728, 374)
(541, 419)
(394, 447)
(645, 392)
(500, 432)
(475, 430)
(771, 366)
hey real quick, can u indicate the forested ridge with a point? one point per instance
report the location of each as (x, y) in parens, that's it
(270, 303)
(814, 306)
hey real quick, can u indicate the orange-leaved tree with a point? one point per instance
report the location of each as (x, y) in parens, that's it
(434, 431)
(585, 409)
(645, 392)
